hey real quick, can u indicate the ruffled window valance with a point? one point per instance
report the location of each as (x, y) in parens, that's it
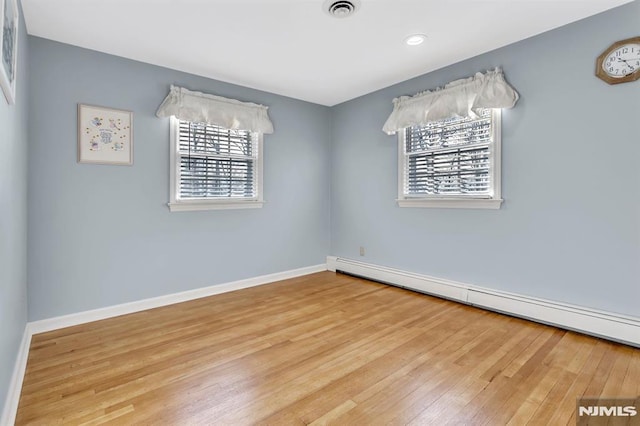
(216, 110)
(460, 98)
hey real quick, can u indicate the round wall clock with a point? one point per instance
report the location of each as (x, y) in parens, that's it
(620, 63)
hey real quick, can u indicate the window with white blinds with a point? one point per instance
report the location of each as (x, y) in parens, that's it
(451, 160)
(215, 167)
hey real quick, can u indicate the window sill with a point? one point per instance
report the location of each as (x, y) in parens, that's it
(185, 206)
(452, 203)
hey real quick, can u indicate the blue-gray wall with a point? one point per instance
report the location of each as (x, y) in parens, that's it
(102, 235)
(569, 229)
(13, 219)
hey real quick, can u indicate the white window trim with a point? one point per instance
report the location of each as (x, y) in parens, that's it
(457, 202)
(175, 204)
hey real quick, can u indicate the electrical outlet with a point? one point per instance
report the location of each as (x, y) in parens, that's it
(361, 251)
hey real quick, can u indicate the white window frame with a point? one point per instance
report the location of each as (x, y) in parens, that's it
(178, 204)
(493, 201)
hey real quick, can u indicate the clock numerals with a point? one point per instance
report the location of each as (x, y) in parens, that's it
(620, 63)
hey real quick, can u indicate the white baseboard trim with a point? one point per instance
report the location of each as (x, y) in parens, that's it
(55, 323)
(15, 386)
(607, 325)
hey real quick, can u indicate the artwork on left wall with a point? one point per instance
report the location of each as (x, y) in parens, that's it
(105, 135)
(9, 43)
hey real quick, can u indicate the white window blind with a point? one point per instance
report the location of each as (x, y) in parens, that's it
(454, 158)
(216, 163)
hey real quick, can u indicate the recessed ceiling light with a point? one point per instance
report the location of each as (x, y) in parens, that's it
(415, 39)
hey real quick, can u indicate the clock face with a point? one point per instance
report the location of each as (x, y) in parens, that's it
(623, 61)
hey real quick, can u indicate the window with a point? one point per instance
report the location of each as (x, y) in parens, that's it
(451, 163)
(214, 168)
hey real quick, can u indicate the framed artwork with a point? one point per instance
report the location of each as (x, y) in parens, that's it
(105, 135)
(9, 19)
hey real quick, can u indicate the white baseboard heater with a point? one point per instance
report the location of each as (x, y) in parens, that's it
(611, 326)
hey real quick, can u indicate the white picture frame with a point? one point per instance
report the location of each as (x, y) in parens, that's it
(105, 135)
(9, 19)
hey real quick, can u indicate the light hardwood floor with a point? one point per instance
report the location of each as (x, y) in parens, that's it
(324, 348)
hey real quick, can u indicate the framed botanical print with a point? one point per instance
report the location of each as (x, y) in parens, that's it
(9, 19)
(105, 135)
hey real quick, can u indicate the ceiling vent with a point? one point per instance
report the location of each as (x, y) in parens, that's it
(341, 8)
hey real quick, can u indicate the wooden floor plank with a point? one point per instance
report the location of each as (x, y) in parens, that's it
(320, 349)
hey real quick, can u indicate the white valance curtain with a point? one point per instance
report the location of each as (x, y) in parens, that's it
(460, 98)
(216, 110)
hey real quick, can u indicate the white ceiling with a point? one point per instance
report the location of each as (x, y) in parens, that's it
(292, 48)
